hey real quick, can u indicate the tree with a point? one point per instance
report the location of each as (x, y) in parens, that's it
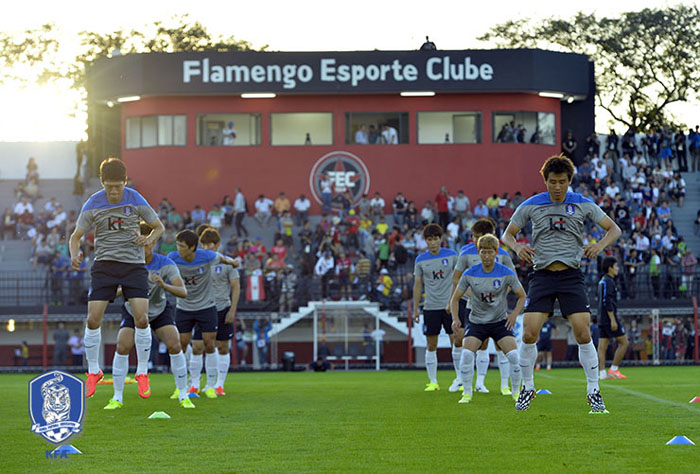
(644, 60)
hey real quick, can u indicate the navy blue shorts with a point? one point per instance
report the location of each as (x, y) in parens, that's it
(496, 331)
(544, 345)
(107, 275)
(205, 319)
(434, 319)
(608, 333)
(464, 313)
(163, 319)
(567, 286)
(224, 332)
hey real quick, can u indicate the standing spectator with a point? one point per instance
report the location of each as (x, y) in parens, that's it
(326, 194)
(688, 263)
(592, 145)
(389, 135)
(227, 208)
(229, 135)
(323, 270)
(363, 269)
(8, 225)
(361, 136)
(240, 208)
(377, 206)
(569, 145)
(263, 210)
(441, 200)
(25, 353)
(343, 269)
(287, 280)
(373, 135)
(411, 215)
(285, 229)
(427, 214)
(262, 340)
(461, 205)
(681, 151)
(241, 345)
(282, 204)
(364, 206)
(694, 148)
(301, 208)
(399, 206)
(77, 347)
(60, 344)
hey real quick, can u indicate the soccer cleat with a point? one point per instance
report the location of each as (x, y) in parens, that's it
(113, 405)
(91, 383)
(595, 400)
(481, 389)
(220, 391)
(524, 399)
(186, 403)
(431, 387)
(537, 367)
(515, 396)
(210, 393)
(506, 391)
(175, 395)
(466, 398)
(456, 386)
(144, 385)
(615, 374)
(193, 392)
(605, 376)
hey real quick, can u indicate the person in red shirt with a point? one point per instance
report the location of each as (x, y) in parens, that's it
(353, 225)
(343, 268)
(280, 250)
(258, 249)
(441, 204)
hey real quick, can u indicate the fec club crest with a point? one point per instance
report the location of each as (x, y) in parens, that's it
(56, 405)
(345, 171)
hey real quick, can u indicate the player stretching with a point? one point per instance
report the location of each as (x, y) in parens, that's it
(115, 212)
(489, 283)
(558, 219)
(227, 289)
(608, 322)
(195, 266)
(434, 268)
(162, 276)
(468, 257)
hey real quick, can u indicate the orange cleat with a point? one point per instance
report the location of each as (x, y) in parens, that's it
(91, 383)
(193, 392)
(615, 374)
(219, 391)
(144, 385)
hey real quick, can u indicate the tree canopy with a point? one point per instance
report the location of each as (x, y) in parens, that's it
(644, 61)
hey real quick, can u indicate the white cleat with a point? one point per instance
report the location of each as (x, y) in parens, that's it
(456, 386)
(481, 389)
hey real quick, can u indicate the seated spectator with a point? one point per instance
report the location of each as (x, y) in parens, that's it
(58, 219)
(676, 189)
(377, 206)
(43, 252)
(481, 210)
(382, 227)
(427, 214)
(32, 170)
(216, 217)
(51, 205)
(411, 215)
(301, 208)
(8, 225)
(281, 204)
(168, 244)
(663, 212)
(263, 210)
(174, 220)
(280, 250)
(199, 216)
(227, 208)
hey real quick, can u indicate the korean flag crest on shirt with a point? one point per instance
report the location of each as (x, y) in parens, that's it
(56, 405)
(570, 209)
(497, 284)
(445, 262)
(128, 211)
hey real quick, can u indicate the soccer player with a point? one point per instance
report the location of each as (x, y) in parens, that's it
(162, 276)
(227, 289)
(558, 219)
(115, 212)
(609, 323)
(199, 307)
(468, 257)
(434, 267)
(489, 283)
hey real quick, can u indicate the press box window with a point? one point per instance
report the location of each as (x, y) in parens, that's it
(301, 129)
(449, 127)
(228, 129)
(156, 130)
(524, 127)
(363, 128)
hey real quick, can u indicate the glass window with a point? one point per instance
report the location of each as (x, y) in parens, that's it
(524, 127)
(133, 132)
(376, 128)
(149, 131)
(301, 129)
(165, 130)
(228, 129)
(449, 127)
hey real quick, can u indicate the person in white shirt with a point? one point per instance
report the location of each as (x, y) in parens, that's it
(326, 195)
(323, 268)
(600, 172)
(612, 190)
(239, 212)
(301, 206)
(377, 206)
(427, 215)
(58, 219)
(263, 210)
(361, 136)
(51, 205)
(389, 135)
(453, 233)
(23, 206)
(229, 135)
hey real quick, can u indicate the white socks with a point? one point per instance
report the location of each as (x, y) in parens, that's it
(457, 361)
(589, 359)
(513, 360)
(482, 365)
(196, 362)
(504, 369)
(179, 367)
(120, 367)
(431, 365)
(528, 356)
(142, 340)
(92, 340)
(467, 370)
(224, 364)
(211, 364)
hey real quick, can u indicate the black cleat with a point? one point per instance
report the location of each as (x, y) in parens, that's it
(595, 400)
(524, 399)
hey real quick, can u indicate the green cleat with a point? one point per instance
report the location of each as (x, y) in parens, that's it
(506, 391)
(210, 393)
(113, 405)
(175, 395)
(186, 403)
(431, 387)
(466, 398)
(515, 396)
(604, 412)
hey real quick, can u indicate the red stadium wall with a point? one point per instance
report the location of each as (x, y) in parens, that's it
(191, 174)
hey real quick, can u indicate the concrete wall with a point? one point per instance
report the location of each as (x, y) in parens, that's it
(56, 160)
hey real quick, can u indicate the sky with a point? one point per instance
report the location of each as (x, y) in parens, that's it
(43, 113)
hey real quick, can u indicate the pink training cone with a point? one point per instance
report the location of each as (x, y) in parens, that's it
(695, 400)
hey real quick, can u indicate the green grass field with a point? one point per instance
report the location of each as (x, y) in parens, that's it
(374, 422)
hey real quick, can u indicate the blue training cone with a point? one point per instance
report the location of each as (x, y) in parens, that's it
(543, 391)
(68, 449)
(680, 440)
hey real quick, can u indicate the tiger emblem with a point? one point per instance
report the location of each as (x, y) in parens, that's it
(56, 406)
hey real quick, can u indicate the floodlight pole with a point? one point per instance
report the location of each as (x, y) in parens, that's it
(315, 333)
(409, 323)
(655, 336)
(695, 312)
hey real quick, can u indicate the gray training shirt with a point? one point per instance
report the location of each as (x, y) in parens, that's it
(469, 256)
(223, 276)
(167, 270)
(197, 276)
(557, 228)
(436, 271)
(489, 292)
